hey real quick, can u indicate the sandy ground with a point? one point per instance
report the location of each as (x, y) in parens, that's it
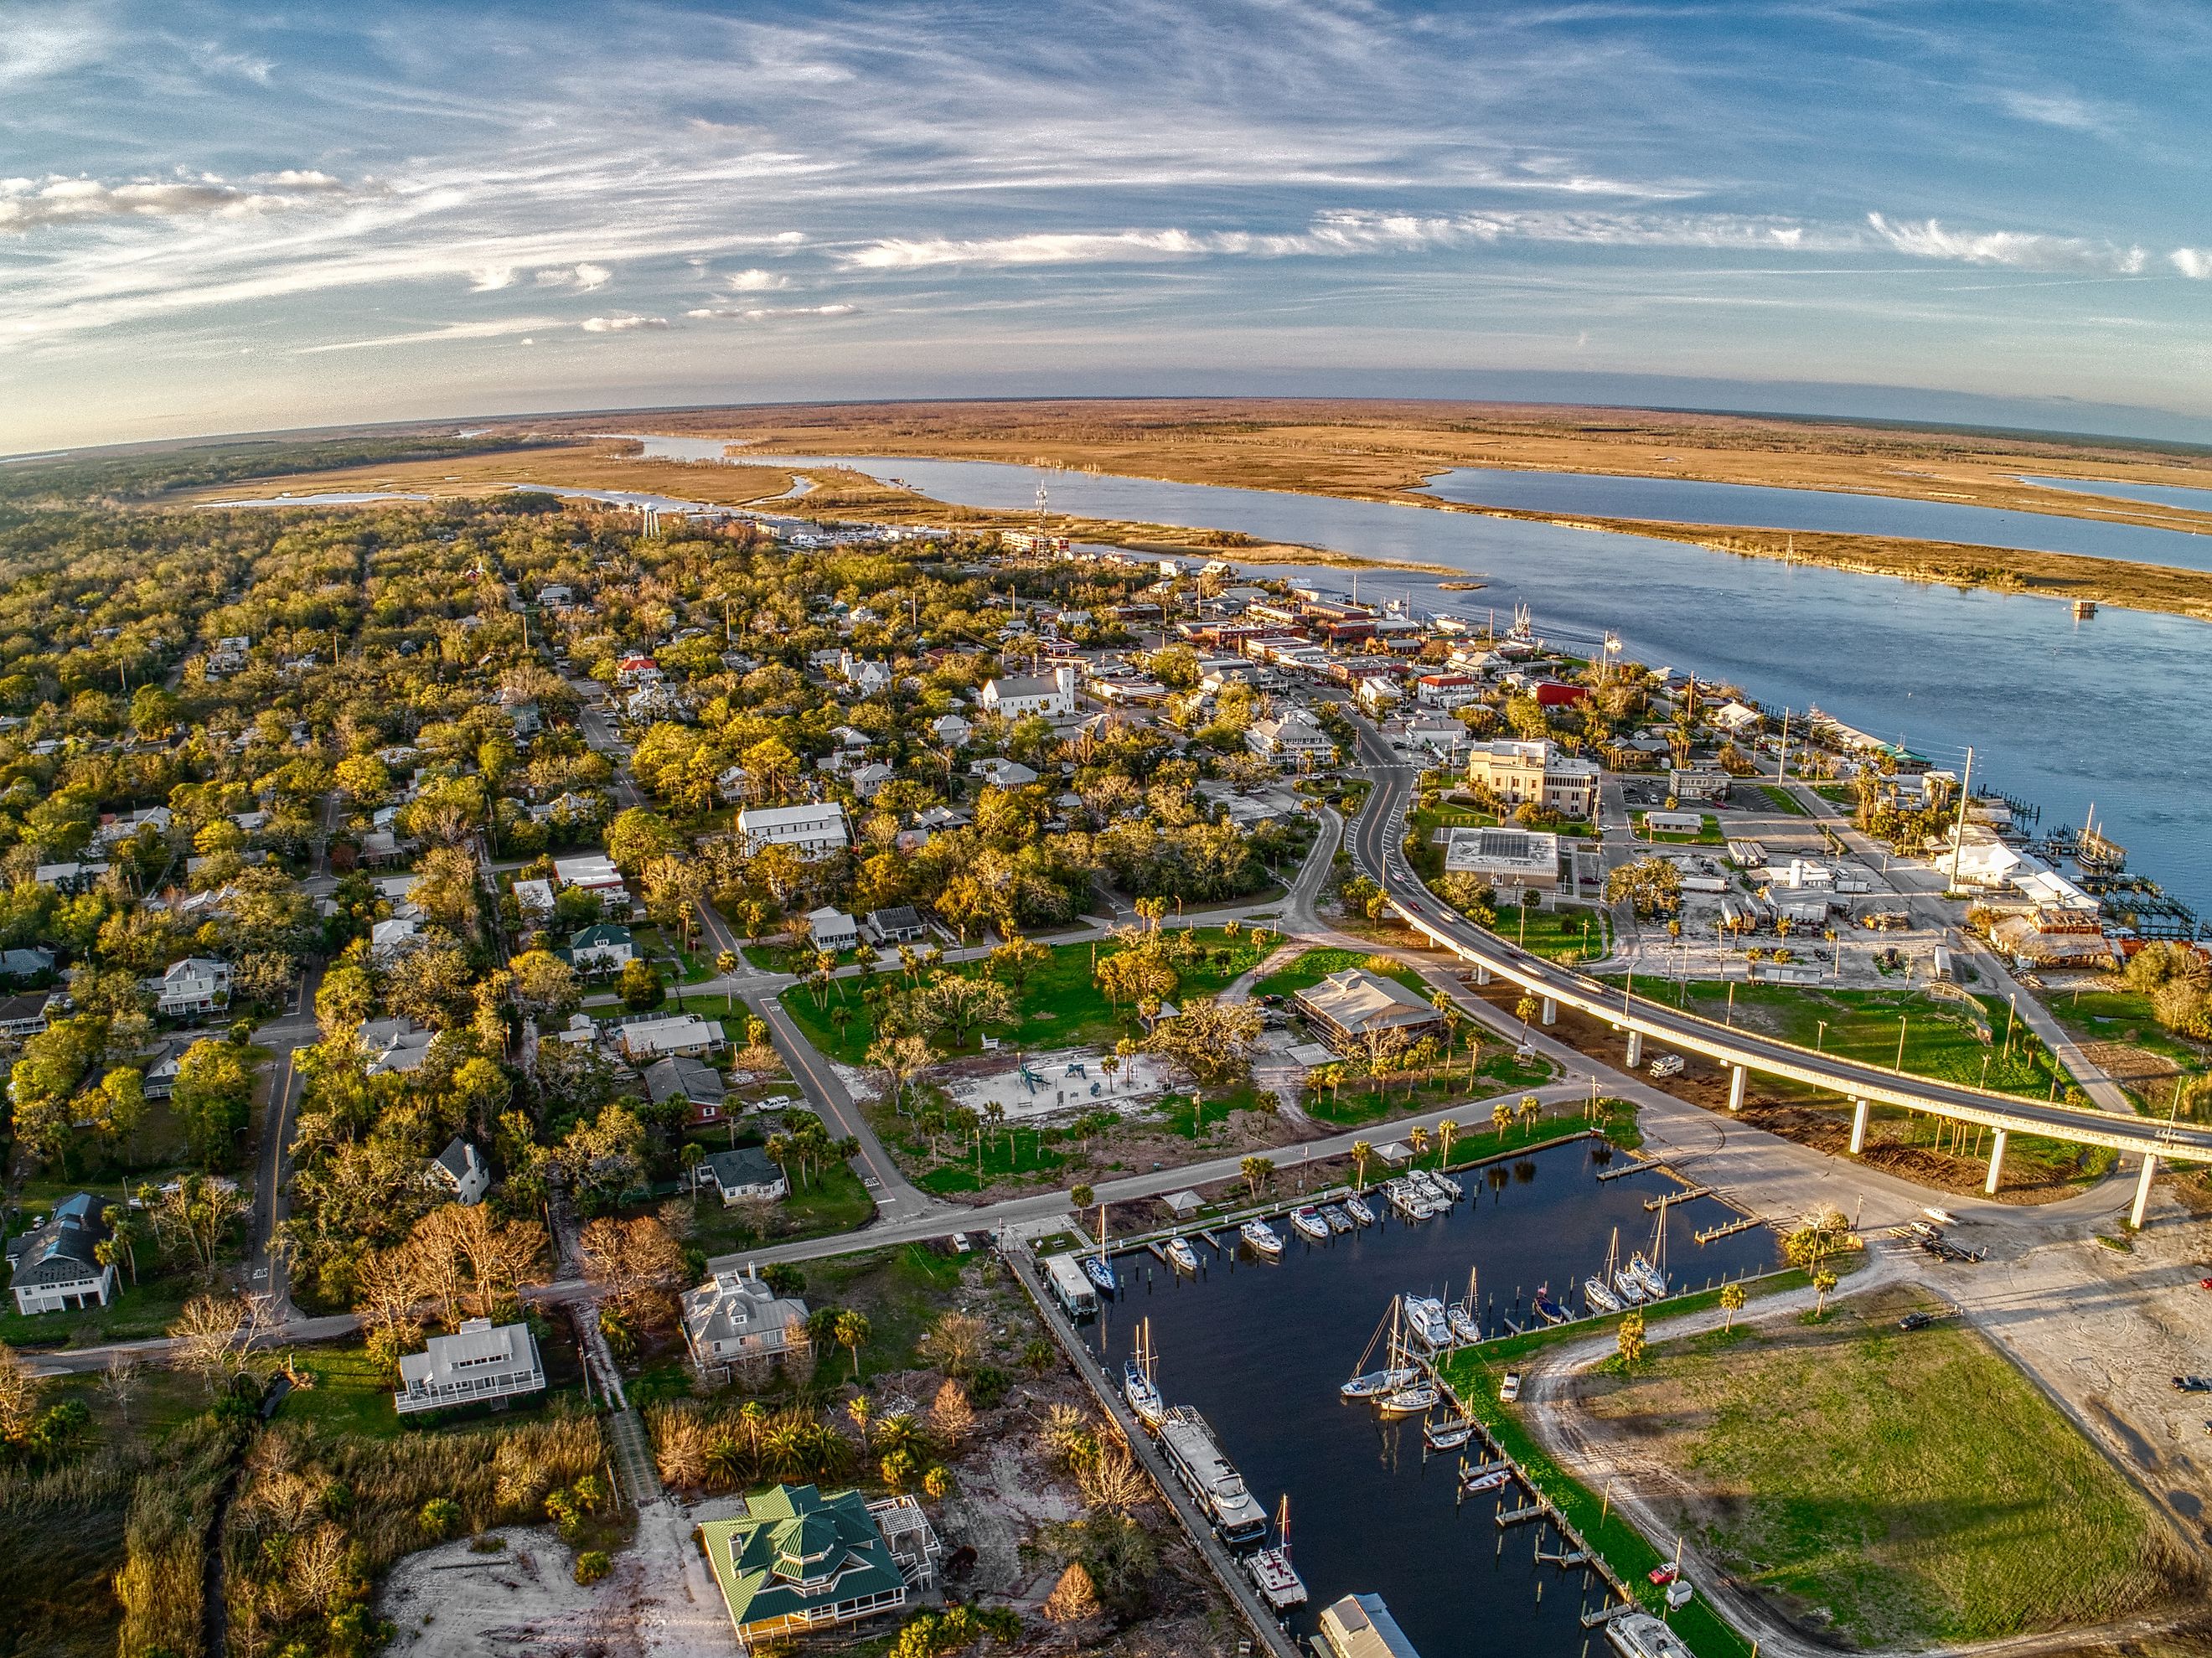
(1061, 1088)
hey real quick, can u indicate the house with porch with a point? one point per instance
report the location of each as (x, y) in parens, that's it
(800, 1560)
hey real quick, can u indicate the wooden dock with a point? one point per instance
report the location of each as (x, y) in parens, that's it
(1516, 1516)
(1605, 1614)
(1682, 1196)
(1741, 1223)
(1633, 1166)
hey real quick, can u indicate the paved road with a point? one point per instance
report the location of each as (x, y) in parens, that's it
(265, 1270)
(1377, 847)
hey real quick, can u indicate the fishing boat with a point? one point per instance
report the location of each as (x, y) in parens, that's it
(1600, 1296)
(1447, 1435)
(1372, 1384)
(1547, 1309)
(1337, 1219)
(1410, 1400)
(1425, 1317)
(1261, 1236)
(1357, 1207)
(1137, 1384)
(1463, 1325)
(1279, 1585)
(1182, 1257)
(1307, 1220)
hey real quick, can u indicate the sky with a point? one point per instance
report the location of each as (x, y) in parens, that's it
(221, 217)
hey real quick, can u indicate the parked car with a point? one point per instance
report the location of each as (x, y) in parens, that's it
(1916, 1321)
(2192, 1384)
(1509, 1389)
(1666, 1065)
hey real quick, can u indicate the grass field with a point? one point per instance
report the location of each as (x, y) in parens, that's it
(1783, 800)
(834, 1201)
(1557, 935)
(148, 1308)
(1315, 965)
(1497, 1071)
(1708, 831)
(899, 1290)
(1910, 1485)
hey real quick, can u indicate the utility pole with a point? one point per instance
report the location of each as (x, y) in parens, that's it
(1785, 748)
(1959, 828)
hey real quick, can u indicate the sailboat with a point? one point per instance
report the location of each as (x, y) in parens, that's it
(1098, 1267)
(1651, 1271)
(1372, 1384)
(1547, 1309)
(1357, 1208)
(1628, 1285)
(1278, 1586)
(1461, 1315)
(1600, 1296)
(1137, 1384)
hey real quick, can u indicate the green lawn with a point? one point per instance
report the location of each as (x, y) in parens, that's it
(1498, 1071)
(147, 1308)
(1567, 936)
(1059, 1004)
(834, 1201)
(1315, 965)
(900, 1291)
(1001, 1154)
(1917, 1488)
(1708, 831)
(1783, 800)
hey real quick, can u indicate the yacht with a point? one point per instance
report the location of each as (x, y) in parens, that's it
(1426, 1184)
(1441, 1186)
(1639, 1635)
(1307, 1220)
(1261, 1236)
(1629, 1284)
(1182, 1257)
(1194, 1454)
(1337, 1219)
(1425, 1317)
(1408, 1200)
(1650, 1279)
(1357, 1207)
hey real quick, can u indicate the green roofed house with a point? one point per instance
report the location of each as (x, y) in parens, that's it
(799, 1560)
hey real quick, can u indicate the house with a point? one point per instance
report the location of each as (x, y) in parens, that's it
(460, 1172)
(697, 1084)
(735, 786)
(603, 947)
(646, 1040)
(866, 780)
(393, 938)
(198, 984)
(29, 963)
(1447, 691)
(734, 1317)
(815, 830)
(24, 1016)
(397, 1045)
(951, 730)
(745, 1172)
(1354, 1004)
(1375, 693)
(1003, 773)
(1515, 858)
(158, 1066)
(481, 1361)
(637, 670)
(801, 1561)
(898, 925)
(534, 898)
(1557, 694)
(1538, 774)
(863, 676)
(58, 1267)
(1012, 697)
(1294, 736)
(832, 929)
(69, 879)
(593, 871)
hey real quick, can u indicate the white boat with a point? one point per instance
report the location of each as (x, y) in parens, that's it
(1441, 1186)
(1337, 1219)
(1409, 1401)
(1195, 1455)
(1425, 1184)
(1446, 1435)
(1408, 1201)
(1650, 1279)
(1377, 1382)
(1631, 1287)
(1357, 1209)
(1261, 1236)
(1485, 1479)
(1143, 1396)
(1941, 1217)
(1600, 1296)
(1307, 1220)
(1463, 1327)
(1182, 1257)
(1279, 1585)
(1425, 1317)
(1100, 1270)
(1639, 1635)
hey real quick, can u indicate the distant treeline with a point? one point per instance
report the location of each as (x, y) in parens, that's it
(71, 481)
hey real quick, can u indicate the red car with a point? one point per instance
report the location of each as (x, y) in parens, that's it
(1665, 1574)
(2204, 1284)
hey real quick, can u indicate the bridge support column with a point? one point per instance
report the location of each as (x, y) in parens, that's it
(1996, 1162)
(1635, 1049)
(1551, 1012)
(2142, 1192)
(1736, 1075)
(1482, 973)
(1858, 1127)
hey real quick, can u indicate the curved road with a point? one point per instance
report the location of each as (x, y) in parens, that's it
(1377, 847)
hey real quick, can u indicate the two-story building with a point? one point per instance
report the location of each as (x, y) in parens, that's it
(57, 1267)
(198, 985)
(734, 1319)
(800, 1560)
(1019, 694)
(603, 947)
(814, 830)
(480, 1363)
(459, 1173)
(1537, 773)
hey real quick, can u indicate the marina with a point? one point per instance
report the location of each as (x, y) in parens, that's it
(1382, 1511)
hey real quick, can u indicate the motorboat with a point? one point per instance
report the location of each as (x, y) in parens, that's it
(1425, 1318)
(1446, 1435)
(1261, 1236)
(1484, 1479)
(1408, 1200)
(1307, 1220)
(1451, 1189)
(1357, 1208)
(1144, 1396)
(1640, 1634)
(1375, 1383)
(1411, 1400)
(1428, 1186)
(1463, 1327)
(1337, 1219)
(1182, 1257)
(1600, 1296)
(1547, 1309)
(1100, 1270)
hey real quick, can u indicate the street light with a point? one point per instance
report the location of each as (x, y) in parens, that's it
(1821, 1039)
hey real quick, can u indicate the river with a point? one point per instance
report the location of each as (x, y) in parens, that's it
(2114, 712)
(1258, 1349)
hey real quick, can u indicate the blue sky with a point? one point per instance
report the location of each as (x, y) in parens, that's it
(221, 217)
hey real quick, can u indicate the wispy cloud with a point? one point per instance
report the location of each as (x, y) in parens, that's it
(768, 313)
(460, 330)
(2021, 250)
(756, 281)
(28, 205)
(622, 325)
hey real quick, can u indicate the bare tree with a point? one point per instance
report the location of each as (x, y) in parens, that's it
(120, 1381)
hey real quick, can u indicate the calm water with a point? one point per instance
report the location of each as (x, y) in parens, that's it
(2115, 710)
(1260, 1350)
(1684, 501)
(2158, 495)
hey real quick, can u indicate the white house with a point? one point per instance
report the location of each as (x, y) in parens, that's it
(646, 1040)
(864, 677)
(393, 937)
(58, 1267)
(480, 1363)
(733, 1316)
(604, 947)
(832, 929)
(746, 1172)
(868, 779)
(816, 830)
(1012, 697)
(459, 1171)
(534, 897)
(1294, 736)
(594, 872)
(198, 984)
(951, 730)
(1003, 773)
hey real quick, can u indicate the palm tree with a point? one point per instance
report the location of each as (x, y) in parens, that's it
(862, 1413)
(1501, 1116)
(1361, 1150)
(753, 1413)
(1109, 1065)
(1418, 1137)
(853, 1334)
(1447, 1132)
(1256, 1170)
(1531, 1106)
(690, 1156)
(1823, 1281)
(725, 963)
(1525, 1010)
(1731, 1303)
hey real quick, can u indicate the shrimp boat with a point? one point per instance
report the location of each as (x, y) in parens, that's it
(1357, 1207)
(1137, 1384)
(1425, 1318)
(1261, 1236)
(1278, 1586)
(1337, 1219)
(1447, 1435)
(1098, 1268)
(1373, 1384)
(1547, 1309)
(1307, 1220)
(1182, 1257)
